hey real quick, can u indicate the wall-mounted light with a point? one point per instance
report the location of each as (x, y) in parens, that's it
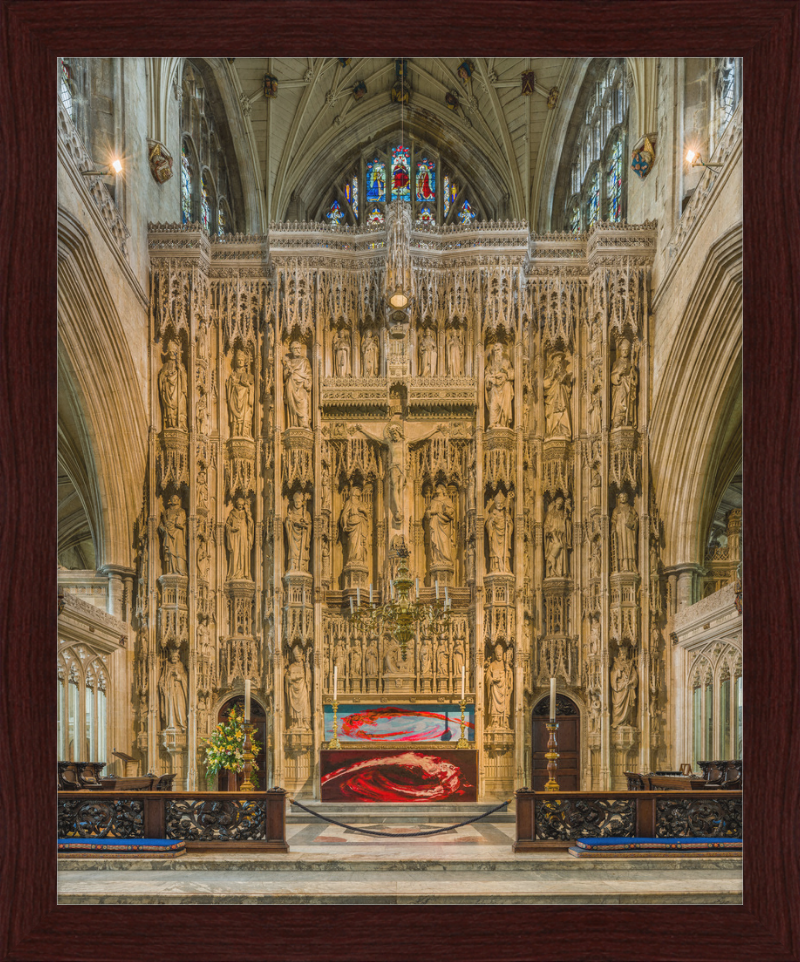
(115, 167)
(697, 161)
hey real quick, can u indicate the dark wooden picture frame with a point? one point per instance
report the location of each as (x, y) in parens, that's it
(767, 36)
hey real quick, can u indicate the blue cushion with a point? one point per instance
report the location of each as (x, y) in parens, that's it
(121, 845)
(627, 844)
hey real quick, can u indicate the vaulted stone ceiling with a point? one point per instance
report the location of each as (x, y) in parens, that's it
(304, 137)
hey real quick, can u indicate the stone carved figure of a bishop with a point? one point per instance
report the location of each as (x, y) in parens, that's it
(173, 533)
(557, 391)
(297, 387)
(298, 529)
(239, 391)
(173, 690)
(624, 679)
(341, 353)
(298, 686)
(354, 528)
(370, 353)
(499, 387)
(172, 388)
(499, 528)
(441, 527)
(625, 528)
(239, 538)
(499, 681)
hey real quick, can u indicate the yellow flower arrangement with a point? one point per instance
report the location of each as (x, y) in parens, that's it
(225, 747)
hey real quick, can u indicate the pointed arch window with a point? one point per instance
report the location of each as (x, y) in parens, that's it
(376, 181)
(205, 203)
(614, 181)
(728, 90)
(401, 179)
(426, 180)
(222, 223)
(186, 185)
(593, 201)
(65, 88)
(450, 193)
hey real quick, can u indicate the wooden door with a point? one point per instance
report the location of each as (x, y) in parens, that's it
(230, 781)
(569, 748)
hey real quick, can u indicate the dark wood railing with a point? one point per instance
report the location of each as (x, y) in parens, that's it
(233, 821)
(556, 819)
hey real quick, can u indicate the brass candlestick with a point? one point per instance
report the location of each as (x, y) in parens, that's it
(462, 742)
(334, 742)
(247, 785)
(551, 755)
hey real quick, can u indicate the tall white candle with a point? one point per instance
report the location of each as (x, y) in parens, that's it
(351, 606)
(437, 589)
(552, 699)
(462, 682)
(358, 597)
(370, 592)
(247, 699)
(416, 586)
(335, 680)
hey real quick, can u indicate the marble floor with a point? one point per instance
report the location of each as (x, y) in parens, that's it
(329, 864)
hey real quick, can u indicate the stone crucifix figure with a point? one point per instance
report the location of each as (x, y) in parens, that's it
(395, 439)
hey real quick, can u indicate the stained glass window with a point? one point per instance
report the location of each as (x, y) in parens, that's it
(186, 186)
(425, 215)
(354, 201)
(575, 220)
(614, 182)
(727, 92)
(348, 194)
(65, 88)
(426, 180)
(221, 225)
(450, 193)
(205, 207)
(466, 214)
(593, 204)
(400, 176)
(335, 213)
(375, 217)
(376, 180)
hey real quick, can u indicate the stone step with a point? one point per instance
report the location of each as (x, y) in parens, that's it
(367, 814)
(393, 888)
(401, 861)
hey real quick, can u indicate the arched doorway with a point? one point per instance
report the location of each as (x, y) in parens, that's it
(568, 736)
(230, 781)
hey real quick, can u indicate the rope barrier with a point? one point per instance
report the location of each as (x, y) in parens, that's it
(366, 831)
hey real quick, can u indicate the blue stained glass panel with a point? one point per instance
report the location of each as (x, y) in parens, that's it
(335, 213)
(186, 187)
(376, 181)
(466, 214)
(593, 203)
(400, 176)
(354, 201)
(426, 180)
(614, 183)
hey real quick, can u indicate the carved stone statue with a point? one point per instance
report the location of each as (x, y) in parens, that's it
(595, 413)
(425, 661)
(441, 526)
(298, 685)
(624, 680)
(173, 690)
(499, 680)
(459, 661)
(355, 666)
(239, 394)
(203, 562)
(341, 353)
(298, 529)
(354, 528)
(557, 382)
(239, 538)
(499, 387)
(595, 559)
(370, 352)
(428, 354)
(624, 383)
(172, 388)
(297, 387)
(455, 352)
(555, 540)
(173, 532)
(371, 658)
(625, 528)
(596, 493)
(499, 527)
(398, 237)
